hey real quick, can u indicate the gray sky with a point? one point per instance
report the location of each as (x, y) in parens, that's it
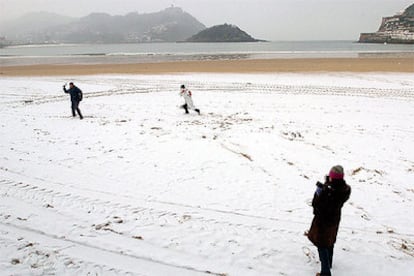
(265, 19)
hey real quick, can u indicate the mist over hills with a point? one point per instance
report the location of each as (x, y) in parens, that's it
(31, 28)
(169, 25)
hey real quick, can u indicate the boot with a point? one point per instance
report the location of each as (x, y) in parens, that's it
(198, 111)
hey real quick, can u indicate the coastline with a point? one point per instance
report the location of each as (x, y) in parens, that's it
(360, 64)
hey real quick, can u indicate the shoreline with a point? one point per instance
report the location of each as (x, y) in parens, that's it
(305, 65)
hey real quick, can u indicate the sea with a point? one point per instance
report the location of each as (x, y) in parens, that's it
(161, 52)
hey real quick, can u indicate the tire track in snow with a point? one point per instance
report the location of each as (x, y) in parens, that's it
(34, 258)
(232, 226)
(288, 89)
(111, 203)
(92, 250)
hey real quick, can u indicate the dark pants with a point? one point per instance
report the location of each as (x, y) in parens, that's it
(325, 256)
(75, 108)
(185, 106)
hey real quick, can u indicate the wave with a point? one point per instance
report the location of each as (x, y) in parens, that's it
(40, 45)
(89, 54)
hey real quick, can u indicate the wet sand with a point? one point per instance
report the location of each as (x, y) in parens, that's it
(403, 64)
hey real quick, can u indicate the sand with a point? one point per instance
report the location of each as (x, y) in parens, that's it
(380, 64)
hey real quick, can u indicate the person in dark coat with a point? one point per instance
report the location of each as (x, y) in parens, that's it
(75, 97)
(327, 204)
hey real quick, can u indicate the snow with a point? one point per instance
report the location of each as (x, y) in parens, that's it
(139, 188)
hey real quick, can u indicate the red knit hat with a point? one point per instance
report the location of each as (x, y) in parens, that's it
(337, 172)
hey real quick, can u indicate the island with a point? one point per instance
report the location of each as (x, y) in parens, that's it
(222, 33)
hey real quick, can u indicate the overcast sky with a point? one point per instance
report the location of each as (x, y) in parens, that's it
(265, 19)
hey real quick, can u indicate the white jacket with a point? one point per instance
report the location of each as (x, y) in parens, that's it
(187, 97)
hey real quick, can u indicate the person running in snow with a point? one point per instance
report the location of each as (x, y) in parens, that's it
(75, 97)
(327, 203)
(188, 100)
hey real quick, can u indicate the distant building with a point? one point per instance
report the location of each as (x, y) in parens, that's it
(4, 41)
(394, 29)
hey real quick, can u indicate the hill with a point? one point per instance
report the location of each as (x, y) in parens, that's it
(33, 25)
(169, 25)
(222, 33)
(395, 29)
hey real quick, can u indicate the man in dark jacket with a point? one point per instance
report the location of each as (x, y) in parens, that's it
(327, 203)
(75, 97)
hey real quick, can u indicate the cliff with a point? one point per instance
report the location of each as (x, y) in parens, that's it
(394, 29)
(222, 33)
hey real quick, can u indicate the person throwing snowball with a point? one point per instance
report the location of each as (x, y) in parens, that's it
(188, 100)
(76, 96)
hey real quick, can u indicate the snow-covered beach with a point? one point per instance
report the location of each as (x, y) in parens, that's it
(139, 188)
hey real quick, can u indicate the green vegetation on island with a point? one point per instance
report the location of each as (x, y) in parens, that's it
(222, 33)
